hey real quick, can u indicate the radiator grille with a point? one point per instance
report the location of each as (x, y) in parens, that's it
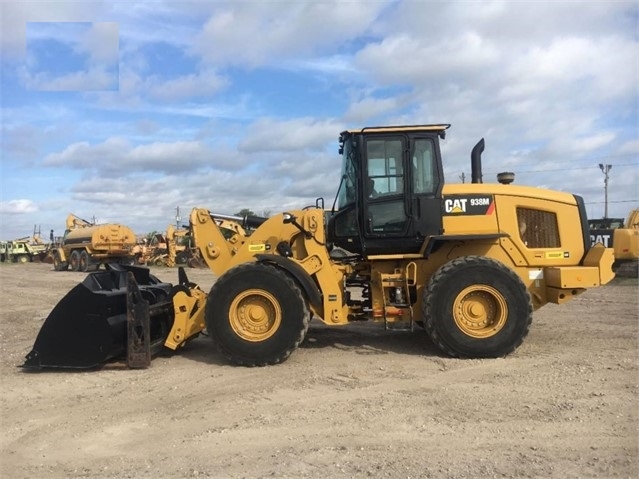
(538, 229)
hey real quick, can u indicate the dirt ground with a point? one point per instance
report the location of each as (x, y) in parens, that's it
(351, 402)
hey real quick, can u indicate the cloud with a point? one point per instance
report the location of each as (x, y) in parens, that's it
(202, 84)
(599, 67)
(251, 34)
(307, 133)
(71, 56)
(151, 203)
(21, 141)
(405, 59)
(369, 107)
(101, 42)
(95, 79)
(116, 156)
(15, 16)
(630, 147)
(16, 207)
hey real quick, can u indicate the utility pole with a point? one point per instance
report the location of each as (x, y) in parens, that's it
(605, 169)
(177, 217)
(463, 177)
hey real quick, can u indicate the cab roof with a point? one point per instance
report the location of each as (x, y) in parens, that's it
(406, 128)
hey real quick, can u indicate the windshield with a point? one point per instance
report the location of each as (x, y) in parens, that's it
(348, 191)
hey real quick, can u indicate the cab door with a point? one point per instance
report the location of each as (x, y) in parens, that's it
(400, 193)
(427, 182)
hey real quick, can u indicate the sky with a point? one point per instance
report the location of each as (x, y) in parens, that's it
(125, 111)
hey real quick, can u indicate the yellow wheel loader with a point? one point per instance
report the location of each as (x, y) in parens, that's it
(623, 238)
(467, 262)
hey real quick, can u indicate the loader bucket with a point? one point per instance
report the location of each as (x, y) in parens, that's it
(106, 317)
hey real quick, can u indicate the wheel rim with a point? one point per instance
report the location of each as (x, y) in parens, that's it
(255, 315)
(480, 311)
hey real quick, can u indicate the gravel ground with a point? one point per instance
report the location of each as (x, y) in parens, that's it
(351, 402)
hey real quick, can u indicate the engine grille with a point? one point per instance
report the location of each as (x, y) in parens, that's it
(538, 229)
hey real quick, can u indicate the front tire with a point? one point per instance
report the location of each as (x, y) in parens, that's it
(58, 264)
(476, 307)
(256, 315)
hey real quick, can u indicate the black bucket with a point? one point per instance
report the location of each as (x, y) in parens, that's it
(88, 327)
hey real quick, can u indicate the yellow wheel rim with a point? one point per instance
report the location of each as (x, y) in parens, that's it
(480, 311)
(255, 315)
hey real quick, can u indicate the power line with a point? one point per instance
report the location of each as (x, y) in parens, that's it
(567, 169)
(624, 155)
(617, 201)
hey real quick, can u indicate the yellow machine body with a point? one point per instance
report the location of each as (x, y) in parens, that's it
(626, 239)
(554, 273)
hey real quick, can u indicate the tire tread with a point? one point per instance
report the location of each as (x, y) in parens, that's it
(431, 294)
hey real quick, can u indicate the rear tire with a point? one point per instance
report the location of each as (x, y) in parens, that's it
(84, 261)
(476, 307)
(195, 263)
(181, 258)
(159, 262)
(74, 260)
(256, 315)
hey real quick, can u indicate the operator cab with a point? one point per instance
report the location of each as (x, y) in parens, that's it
(389, 199)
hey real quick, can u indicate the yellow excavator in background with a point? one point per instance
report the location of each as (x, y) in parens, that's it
(467, 262)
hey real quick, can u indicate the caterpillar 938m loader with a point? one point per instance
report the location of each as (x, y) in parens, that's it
(468, 262)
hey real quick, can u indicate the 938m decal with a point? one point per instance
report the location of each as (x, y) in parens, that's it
(468, 205)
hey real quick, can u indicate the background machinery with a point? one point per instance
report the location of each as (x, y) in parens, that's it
(86, 245)
(22, 251)
(467, 262)
(170, 249)
(25, 249)
(622, 237)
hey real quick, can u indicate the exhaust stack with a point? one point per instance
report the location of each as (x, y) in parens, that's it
(475, 161)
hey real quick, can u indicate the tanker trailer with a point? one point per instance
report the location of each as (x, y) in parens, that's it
(88, 246)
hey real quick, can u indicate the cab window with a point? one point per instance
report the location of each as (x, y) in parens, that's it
(423, 167)
(385, 170)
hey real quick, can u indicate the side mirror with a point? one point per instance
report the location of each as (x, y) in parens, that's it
(290, 219)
